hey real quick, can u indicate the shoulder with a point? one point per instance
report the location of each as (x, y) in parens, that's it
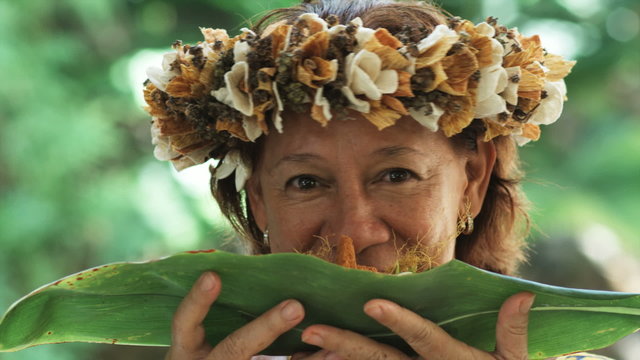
(583, 356)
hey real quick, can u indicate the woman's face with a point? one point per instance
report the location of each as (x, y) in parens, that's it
(384, 189)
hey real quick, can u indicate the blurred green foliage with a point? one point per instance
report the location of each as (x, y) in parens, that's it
(79, 186)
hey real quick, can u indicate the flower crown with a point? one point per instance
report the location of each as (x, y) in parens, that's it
(209, 98)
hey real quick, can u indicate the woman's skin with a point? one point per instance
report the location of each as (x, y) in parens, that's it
(384, 189)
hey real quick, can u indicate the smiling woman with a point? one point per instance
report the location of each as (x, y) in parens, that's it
(386, 189)
(376, 123)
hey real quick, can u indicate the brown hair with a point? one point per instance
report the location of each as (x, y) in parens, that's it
(498, 239)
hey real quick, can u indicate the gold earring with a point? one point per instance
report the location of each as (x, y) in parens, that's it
(265, 238)
(465, 220)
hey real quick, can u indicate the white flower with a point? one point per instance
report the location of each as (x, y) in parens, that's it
(231, 163)
(551, 106)
(277, 118)
(195, 157)
(510, 93)
(232, 94)
(363, 35)
(493, 81)
(427, 115)
(160, 77)
(521, 140)
(241, 51)
(335, 30)
(485, 29)
(163, 150)
(316, 23)
(440, 33)
(322, 101)
(365, 76)
(251, 127)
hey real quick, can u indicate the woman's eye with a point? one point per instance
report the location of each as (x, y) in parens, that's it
(398, 175)
(303, 182)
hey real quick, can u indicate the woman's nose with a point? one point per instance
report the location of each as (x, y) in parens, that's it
(358, 217)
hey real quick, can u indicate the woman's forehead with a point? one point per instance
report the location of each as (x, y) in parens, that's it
(304, 138)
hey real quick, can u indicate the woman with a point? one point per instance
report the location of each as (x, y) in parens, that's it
(377, 121)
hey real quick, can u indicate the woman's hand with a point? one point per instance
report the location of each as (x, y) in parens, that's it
(188, 337)
(425, 337)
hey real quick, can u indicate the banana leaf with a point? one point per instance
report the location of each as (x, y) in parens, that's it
(133, 303)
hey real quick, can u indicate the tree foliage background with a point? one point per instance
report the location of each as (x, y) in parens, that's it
(79, 185)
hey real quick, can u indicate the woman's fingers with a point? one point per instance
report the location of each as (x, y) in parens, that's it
(511, 329)
(343, 344)
(188, 335)
(432, 342)
(259, 333)
(425, 337)
(188, 340)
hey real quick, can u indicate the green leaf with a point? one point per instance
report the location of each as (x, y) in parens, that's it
(133, 303)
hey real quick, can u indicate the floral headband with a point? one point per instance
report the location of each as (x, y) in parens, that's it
(209, 98)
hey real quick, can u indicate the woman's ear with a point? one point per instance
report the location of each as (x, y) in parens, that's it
(256, 202)
(479, 169)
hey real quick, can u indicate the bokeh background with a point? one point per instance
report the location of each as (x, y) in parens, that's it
(79, 185)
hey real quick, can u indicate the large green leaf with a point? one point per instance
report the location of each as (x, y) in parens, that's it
(132, 303)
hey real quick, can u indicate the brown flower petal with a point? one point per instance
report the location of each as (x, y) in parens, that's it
(170, 126)
(179, 87)
(380, 115)
(385, 46)
(394, 104)
(280, 39)
(207, 74)
(534, 45)
(190, 73)
(531, 51)
(265, 79)
(481, 43)
(151, 97)
(187, 143)
(316, 45)
(494, 129)
(459, 68)
(404, 84)
(458, 111)
(213, 35)
(259, 112)
(528, 104)
(315, 71)
(531, 131)
(485, 50)
(558, 67)
(435, 53)
(317, 114)
(458, 114)
(233, 127)
(531, 83)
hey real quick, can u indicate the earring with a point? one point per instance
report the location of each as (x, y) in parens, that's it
(265, 238)
(465, 220)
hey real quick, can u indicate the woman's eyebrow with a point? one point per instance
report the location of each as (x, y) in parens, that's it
(391, 151)
(295, 158)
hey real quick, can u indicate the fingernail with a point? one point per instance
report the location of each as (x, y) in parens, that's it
(312, 338)
(291, 310)
(525, 305)
(207, 282)
(375, 311)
